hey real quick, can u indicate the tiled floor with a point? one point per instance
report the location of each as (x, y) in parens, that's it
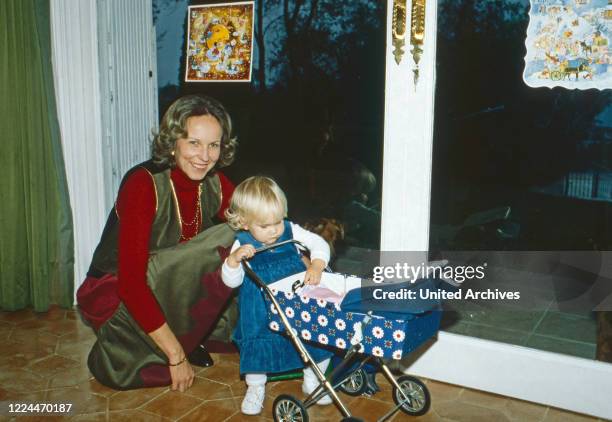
(43, 359)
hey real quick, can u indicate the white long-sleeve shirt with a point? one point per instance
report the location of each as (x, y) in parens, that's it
(319, 249)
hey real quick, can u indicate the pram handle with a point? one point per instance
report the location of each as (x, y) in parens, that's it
(254, 276)
(297, 284)
(284, 242)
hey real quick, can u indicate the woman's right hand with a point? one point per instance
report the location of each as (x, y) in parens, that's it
(243, 252)
(182, 376)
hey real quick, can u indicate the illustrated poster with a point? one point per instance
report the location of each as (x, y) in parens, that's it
(568, 44)
(220, 42)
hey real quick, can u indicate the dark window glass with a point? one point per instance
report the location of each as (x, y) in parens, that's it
(515, 168)
(313, 115)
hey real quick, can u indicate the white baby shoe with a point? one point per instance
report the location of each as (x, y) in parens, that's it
(253, 400)
(308, 386)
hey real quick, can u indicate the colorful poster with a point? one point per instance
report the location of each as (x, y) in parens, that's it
(568, 44)
(220, 42)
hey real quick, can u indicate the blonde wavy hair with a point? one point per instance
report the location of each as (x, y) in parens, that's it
(173, 126)
(256, 199)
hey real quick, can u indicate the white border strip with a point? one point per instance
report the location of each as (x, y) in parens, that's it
(576, 384)
(409, 120)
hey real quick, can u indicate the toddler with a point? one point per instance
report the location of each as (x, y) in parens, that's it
(257, 211)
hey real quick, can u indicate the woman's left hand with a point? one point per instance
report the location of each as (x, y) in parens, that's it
(182, 376)
(181, 372)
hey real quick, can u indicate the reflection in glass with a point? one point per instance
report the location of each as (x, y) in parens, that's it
(313, 116)
(517, 168)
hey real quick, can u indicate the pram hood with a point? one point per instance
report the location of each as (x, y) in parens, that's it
(368, 298)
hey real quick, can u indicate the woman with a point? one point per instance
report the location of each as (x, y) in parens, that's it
(153, 289)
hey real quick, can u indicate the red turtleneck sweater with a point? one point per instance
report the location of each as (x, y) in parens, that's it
(136, 209)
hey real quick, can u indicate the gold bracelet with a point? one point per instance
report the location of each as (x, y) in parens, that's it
(179, 362)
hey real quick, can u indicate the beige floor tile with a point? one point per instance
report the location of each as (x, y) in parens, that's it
(31, 324)
(430, 416)
(329, 412)
(18, 355)
(554, 415)
(226, 357)
(370, 410)
(522, 411)
(75, 350)
(5, 330)
(93, 417)
(28, 397)
(172, 405)
(293, 387)
(483, 399)
(72, 314)
(17, 316)
(133, 399)
(238, 388)
(465, 412)
(45, 418)
(82, 332)
(441, 392)
(83, 401)
(206, 389)
(96, 388)
(33, 338)
(224, 371)
(54, 313)
(21, 381)
(70, 377)
(61, 327)
(239, 417)
(52, 365)
(212, 411)
(135, 416)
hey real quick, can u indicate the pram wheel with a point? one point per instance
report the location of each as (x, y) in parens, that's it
(287, 408)
(418, 396)
(356, 384)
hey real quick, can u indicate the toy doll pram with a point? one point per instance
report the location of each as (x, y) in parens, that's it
(388, 339)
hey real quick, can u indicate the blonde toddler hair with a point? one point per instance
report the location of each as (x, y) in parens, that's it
(257, 198)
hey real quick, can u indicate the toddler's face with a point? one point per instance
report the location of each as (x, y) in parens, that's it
(266, 231)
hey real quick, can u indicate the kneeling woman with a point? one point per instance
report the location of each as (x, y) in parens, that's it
(153, 290)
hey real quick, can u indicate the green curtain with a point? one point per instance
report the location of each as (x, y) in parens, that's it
(37, 249)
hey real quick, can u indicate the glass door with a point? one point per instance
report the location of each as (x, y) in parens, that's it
(498, 166)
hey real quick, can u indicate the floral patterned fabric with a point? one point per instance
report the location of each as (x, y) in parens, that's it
(323, 322)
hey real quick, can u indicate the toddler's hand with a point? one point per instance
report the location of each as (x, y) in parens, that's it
(313, 273)
(242, 253)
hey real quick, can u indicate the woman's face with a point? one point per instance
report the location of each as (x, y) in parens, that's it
(198, 153)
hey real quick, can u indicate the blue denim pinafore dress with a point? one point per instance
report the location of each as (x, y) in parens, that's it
(261, 349)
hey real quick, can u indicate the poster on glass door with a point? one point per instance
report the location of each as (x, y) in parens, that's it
(568, 44)
(220, 42)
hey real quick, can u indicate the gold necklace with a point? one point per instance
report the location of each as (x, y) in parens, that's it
(197, 218)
